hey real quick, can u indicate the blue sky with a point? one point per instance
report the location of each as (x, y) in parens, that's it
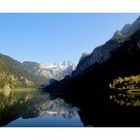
(49, 38)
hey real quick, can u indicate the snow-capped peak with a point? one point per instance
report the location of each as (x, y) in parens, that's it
(50, 71)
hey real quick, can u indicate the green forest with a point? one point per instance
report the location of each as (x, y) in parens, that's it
(13, 75)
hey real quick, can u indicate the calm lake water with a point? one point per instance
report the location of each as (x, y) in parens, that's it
(35, 109)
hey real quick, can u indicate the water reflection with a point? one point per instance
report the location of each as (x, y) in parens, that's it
(36, 109)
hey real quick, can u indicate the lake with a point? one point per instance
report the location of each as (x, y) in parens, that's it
(36, 109)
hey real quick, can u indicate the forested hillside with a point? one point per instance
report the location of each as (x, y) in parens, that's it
(13, 75)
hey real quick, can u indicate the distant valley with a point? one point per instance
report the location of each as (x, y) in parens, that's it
(106, 83)
(118, 57)
(104, 86)
(49, 72)
(29, 75)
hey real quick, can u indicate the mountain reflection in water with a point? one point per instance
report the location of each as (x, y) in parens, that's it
(36, 109)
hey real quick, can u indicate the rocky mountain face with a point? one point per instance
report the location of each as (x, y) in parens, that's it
(37, 70)
(88, 87)
(103, 53)
(59, 70)
(99, 55)
(46, 72)
(129, 29)
(117, 57)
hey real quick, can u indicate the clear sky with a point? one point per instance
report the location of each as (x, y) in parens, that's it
(50, 38)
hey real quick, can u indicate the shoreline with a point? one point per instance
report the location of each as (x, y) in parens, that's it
(19, 89)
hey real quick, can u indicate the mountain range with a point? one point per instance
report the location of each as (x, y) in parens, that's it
(105, 84)
(48, 72)
(124, 42)
(102, 53)
(17, 75)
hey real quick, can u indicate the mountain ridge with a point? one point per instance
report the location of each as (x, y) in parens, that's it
(13, 75)
(103, 55)
(102, 52)
(47, 72)
(90, 88)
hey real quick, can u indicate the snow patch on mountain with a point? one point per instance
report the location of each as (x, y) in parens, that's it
(47, 72)
(59, 70)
